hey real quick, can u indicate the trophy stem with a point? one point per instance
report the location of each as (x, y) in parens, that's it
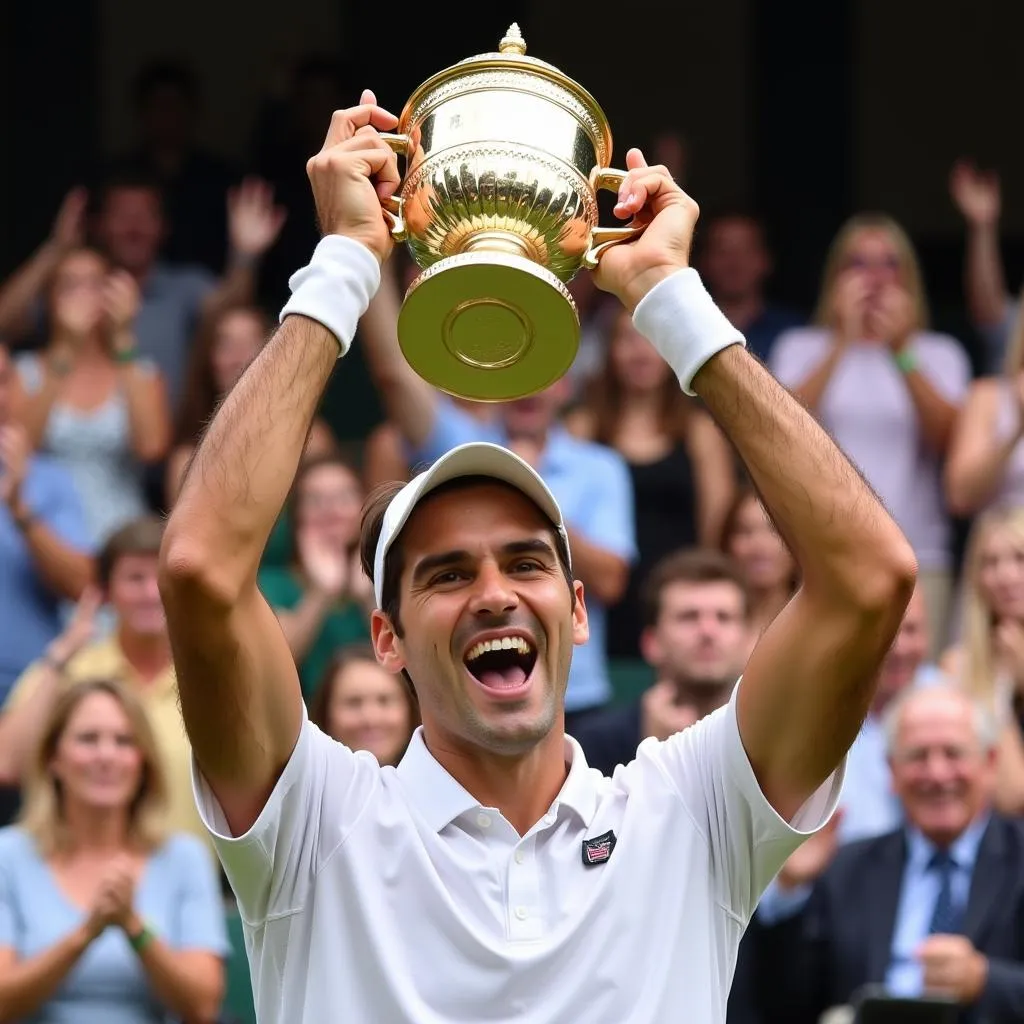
(507, 242)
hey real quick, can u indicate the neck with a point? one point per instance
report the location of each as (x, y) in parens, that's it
(96, 831)
(642, 403)
(703, 697)
(148, 654)
(522, 787)
(742, 310)
(90, 346)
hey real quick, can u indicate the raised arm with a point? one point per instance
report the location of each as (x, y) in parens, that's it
(811, 677)
(20, 292)
(978, 197)
(978, 455)
(239, 687)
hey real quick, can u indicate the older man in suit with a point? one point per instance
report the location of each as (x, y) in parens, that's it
(933, 908)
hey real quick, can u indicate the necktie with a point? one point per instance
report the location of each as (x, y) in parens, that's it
(947, 918)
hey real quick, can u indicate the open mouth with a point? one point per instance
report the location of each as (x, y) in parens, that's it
(502, 663)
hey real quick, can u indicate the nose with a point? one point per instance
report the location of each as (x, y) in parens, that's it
(492, 592)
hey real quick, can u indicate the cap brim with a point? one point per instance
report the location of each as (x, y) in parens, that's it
(480, 458)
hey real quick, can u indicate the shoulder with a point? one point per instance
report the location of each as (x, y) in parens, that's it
(939, 341)
(184, 278)
(589, 456)
(802, 337)
(29, 367)
(797, 347)
(16, 846)
(183, 853)
(863, 855)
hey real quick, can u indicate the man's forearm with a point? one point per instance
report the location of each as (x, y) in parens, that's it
(241, 473)
(826, 513)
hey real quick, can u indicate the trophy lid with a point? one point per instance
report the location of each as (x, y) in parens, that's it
(511, 56)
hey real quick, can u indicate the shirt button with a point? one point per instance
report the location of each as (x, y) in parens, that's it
(520, 856)
(521, 913)
(483, 820)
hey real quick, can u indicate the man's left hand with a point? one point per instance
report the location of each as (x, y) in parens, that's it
(653, 200)
(952, 967)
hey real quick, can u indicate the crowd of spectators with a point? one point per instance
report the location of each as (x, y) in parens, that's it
(158, 285)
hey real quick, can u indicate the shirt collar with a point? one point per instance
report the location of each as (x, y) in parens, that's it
(963, 850)
(440, 799)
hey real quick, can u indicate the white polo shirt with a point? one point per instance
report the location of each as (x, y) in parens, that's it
(384, 895)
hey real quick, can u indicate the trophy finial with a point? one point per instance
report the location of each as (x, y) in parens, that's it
(513, 41)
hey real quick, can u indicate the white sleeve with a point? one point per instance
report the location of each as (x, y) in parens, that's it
(319, 796)
(748, 840)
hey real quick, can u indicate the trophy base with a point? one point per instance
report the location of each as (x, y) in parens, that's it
(489, 326)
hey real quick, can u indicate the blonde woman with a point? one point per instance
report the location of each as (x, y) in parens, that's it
(103, 916)
(885, 387)
(89, 400)
(986, 458)
(989, 661)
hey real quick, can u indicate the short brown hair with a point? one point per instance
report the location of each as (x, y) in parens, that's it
(42, 814)
(690, 565)
(139, 537)
(394, 564)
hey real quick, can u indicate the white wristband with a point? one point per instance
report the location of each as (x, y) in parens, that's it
(335, 287)
(683, 323)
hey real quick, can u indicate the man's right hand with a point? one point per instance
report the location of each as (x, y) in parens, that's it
(353, 173)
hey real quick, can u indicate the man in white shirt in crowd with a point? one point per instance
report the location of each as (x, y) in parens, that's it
(492, 875)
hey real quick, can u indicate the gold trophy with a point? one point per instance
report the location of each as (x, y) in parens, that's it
(503, 157)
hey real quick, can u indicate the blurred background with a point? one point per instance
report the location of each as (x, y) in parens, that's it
(803, 111)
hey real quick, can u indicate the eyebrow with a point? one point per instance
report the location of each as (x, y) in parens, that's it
(430, 563)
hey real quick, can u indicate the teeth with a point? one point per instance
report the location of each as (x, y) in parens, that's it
(505, 643)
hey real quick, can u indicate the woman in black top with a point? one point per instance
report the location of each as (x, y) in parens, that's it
(681, 466)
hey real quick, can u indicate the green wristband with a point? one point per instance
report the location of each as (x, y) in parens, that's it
(140, 941)
(905, 360)
(125, 355)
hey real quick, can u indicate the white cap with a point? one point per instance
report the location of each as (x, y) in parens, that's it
(476, 459)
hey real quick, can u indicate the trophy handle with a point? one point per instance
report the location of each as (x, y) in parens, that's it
(392, 206)
(609, 179)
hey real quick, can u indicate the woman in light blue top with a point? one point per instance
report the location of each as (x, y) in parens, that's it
(104, 919)
(89, 401)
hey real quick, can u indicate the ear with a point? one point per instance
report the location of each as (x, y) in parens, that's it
(650, 647)
(387, 645)
(580, 620)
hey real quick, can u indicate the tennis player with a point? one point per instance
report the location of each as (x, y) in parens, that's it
(492, 876)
